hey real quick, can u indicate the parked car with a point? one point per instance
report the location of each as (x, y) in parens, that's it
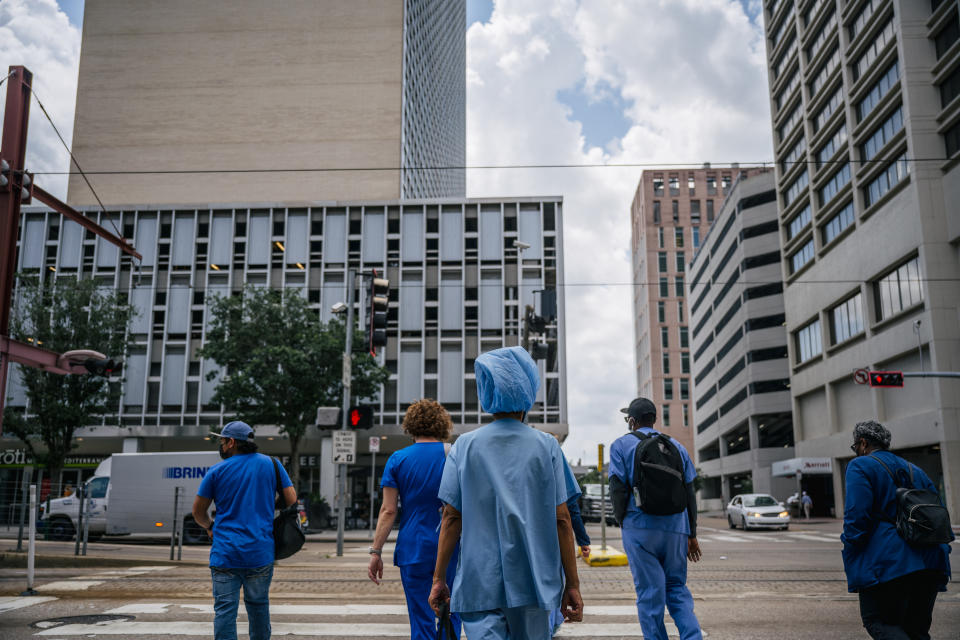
(590, 508)
(759, 510)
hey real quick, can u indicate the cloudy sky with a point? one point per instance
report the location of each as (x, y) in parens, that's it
(548, 82)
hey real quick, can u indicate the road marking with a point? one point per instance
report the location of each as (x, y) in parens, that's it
(144, 607)
(729, 538)
(68, 585)
(339, 610)
(11, 603)
(808, 537)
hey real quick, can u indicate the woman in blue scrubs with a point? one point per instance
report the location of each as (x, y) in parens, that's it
(412, 477)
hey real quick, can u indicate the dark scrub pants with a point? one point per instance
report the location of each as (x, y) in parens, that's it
(901, 608)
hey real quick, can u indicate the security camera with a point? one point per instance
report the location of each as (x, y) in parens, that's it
(519, 244)
(338, 307)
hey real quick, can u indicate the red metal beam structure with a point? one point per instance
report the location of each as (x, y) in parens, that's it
(13, 151)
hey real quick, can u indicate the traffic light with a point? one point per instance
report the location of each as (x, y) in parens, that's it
(8, 181)
(103, 368)
(539, 350)
(886, 378)
(358, 417)
(377, 323)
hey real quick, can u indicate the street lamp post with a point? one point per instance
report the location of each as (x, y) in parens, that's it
(347, 374)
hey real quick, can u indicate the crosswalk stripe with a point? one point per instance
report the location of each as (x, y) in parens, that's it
(11, 603)
(336, 610)
(370, 630)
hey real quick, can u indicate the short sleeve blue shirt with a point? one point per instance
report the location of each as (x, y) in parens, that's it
(506, 480)
(621, 465)
(243, 489)
(415, 473)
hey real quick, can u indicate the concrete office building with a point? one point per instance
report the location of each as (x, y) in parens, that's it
(671, 211)
(740, 368)
(866, 121)
(458, 287)
(317, 88)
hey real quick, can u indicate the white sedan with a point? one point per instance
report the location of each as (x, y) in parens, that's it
(759, 510)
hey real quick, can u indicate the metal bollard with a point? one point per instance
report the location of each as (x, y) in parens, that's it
(81, 495)
(176, 515)
(86, 522)
(31, 543)
(27, 473)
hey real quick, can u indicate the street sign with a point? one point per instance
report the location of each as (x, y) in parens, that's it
(861, 376)
(374, 444)
(344, 447)
(328, 417)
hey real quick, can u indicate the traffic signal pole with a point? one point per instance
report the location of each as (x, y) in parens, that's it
(347, 374)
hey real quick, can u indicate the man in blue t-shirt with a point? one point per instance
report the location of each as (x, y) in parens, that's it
(243, 487)
(657, 546)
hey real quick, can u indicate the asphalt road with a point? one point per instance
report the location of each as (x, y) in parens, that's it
(757, 584)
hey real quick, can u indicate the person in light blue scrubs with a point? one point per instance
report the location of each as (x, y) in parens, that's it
(657, 546)
(505, 494)
(412, 477)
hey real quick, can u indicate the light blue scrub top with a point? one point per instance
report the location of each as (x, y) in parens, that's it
(506, 479)
(621, 465)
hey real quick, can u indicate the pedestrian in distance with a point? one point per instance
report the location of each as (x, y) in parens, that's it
(243, 487)
(807, 503)
(411, 478)
(505, 499)
(897, 581)
(651, 489)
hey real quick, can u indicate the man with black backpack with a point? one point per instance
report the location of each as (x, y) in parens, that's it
(896, 536)
(651, 487)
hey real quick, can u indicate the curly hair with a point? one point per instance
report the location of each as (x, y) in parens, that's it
(427, 419)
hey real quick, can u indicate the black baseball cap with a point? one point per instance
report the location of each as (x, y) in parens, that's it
(640, 407)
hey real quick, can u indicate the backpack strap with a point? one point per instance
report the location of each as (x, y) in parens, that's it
(892, 475)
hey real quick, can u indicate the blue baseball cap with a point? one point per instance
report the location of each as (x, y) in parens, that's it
(237, 430)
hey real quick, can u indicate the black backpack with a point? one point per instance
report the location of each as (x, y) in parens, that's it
(658, 485)
(921, 519)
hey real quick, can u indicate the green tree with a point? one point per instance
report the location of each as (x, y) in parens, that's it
(280, 362)
(62, 316)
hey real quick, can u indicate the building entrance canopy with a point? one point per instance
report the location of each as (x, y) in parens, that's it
(806, 466)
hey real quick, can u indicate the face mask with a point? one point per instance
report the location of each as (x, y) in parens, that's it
(223, 452)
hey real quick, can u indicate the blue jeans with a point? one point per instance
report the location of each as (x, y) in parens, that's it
(256, 599)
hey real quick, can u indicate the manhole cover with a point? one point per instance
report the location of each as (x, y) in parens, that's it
(97, 619)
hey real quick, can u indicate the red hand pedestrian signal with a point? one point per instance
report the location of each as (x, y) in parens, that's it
(354, 417)
(886, 378)
(359, 417)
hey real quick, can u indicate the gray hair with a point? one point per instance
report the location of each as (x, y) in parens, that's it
(874, 432)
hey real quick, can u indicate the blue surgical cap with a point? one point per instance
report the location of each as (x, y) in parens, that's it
(507, 380)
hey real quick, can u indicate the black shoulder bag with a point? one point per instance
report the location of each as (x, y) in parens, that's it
(921, 519)
(288, 537)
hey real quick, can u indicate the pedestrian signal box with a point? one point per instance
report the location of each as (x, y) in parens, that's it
(886, 378)
(359, 417)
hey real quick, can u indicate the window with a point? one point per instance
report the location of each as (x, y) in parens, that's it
(846, 319)
(828, 109)
(678, 285)
(660, 237)
(696, 233)
(661, 311)
(878, 90)
(836, 182)
(863, 16)
(825, 71)
(947, 37)
(840, 221)
(665, 337)
(691, 184)
(666, 362)
(668, 388)
(686, 414)
(675, 206)
(656, 212)
(802, 256)
(789, 87)
(873, 50)
(831, 146)
(799, 223)
(950, 88)
(951, 139)
(678, 237)
(674, 185)
(898, 290)
(664, 288)
(684, 389)
(695, 211)
(680, 310)
(785, 57)
(809, 342)
(794, 155)
(882, 135)
(685, 362)
(823, 33)
(711, 185)
(785, 24)
(665, 413)
(658, 185)
(684, 338)
(725, 183)
(895, 172)
(681, 261)
(662, 261)
(709, 210)
(795, 188)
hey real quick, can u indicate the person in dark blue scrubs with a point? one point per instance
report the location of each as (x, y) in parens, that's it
(412, 477)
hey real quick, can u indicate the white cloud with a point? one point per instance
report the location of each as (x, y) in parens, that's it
(692, 74)
(37, 35)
